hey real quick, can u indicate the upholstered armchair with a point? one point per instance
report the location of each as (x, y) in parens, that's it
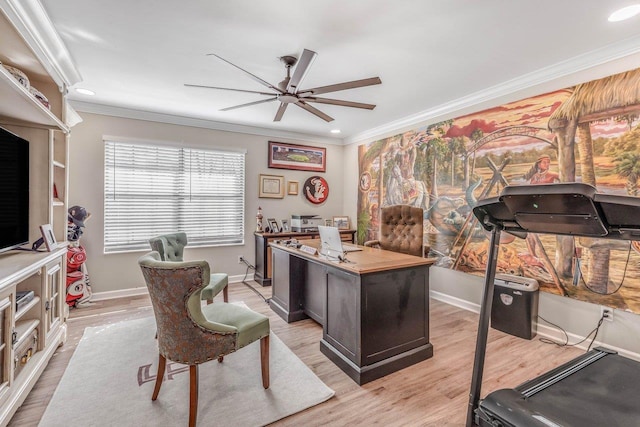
(401, 230)
(171, 248)
(190, 333)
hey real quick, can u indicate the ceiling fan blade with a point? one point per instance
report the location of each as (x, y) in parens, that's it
(253, 76)
(301, 70)
(228, 88)
(280, 112)
(314, 110)
(339, 102)
(250, 103)
(341, 86)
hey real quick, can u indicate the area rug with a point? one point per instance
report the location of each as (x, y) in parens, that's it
(111, 375)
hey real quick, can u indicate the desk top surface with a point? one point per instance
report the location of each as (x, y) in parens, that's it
(368, 260)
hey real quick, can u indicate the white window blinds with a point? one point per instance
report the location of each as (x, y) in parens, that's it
(155, 189)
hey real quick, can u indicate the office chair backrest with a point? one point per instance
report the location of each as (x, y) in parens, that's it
(401, 229)
(170, 246)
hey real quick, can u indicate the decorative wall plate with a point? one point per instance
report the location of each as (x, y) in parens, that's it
(316, 189)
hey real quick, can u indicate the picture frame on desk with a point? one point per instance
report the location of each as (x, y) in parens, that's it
(49, 238)
(341, 222)
(285, 226)
(273, 225)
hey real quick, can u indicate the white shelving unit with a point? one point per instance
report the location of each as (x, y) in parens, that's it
(30, 333)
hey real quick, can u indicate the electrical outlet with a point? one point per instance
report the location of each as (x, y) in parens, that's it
(240, 259)
(607, 313)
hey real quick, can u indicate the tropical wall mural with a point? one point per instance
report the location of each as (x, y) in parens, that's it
(587, 133)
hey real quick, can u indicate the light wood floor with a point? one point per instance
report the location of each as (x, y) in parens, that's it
(431, 393)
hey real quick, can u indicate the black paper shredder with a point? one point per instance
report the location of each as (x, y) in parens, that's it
(515, 305)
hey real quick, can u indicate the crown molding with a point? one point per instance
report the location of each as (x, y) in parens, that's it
(611, 59)
(129, 113)
(32, 22)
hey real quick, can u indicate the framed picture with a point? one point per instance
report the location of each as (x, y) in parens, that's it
(285, 225)
(298, 157)
(273, 225)
(48, 237)
(341, 222)
(328, 223)
(292, 188)
(271, 186)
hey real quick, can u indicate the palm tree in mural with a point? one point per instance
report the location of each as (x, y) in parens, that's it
(456, 148)
(628, 166)
(628, 119)
(436, 148)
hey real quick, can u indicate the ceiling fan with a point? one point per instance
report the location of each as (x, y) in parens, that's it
(288, 90)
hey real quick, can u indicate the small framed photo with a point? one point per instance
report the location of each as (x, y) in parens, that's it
(271, 186)
(292, 188)
(47, 235)
(273, 225)
(341, 222)
(328, 222)
(285, 225)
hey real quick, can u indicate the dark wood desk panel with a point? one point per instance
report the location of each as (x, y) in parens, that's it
(262, 273)
(374, 310)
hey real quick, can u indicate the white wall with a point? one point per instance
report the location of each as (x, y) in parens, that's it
(117, 272)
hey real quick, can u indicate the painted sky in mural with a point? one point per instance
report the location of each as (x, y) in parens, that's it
(587, 133)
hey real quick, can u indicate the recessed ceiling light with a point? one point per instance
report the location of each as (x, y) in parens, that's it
(85, 91)
(624, 13)
(335, 130)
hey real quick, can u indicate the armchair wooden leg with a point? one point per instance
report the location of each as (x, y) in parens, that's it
(193, 395)
(225, 293)
(264, 360)
(162, 363)
(220, 359)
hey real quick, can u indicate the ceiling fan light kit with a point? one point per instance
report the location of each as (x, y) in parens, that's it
(288, 90)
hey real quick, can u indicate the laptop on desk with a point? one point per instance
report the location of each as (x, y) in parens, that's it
(331, 243)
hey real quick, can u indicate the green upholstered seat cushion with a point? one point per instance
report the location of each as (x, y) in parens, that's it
(230, 318)
(217, 283)
(251, 326)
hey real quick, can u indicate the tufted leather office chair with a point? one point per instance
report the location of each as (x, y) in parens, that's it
(401, 230)
(171, 248)
(192, 334)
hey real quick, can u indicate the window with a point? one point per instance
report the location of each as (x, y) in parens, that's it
(157, 189)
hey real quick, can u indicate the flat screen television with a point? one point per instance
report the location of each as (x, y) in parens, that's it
(14, 191)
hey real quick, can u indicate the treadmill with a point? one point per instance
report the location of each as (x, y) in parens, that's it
(599, 388)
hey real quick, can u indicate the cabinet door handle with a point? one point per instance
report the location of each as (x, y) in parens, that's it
(47, 306)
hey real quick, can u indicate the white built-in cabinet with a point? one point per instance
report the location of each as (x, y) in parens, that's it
(30, 334)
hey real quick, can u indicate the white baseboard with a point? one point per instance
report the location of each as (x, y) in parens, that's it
(544, 330)
(454, 301)
(123, 293)
(556, 335)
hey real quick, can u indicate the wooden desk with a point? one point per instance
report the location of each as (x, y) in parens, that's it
(374, 310)
(262, 273)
